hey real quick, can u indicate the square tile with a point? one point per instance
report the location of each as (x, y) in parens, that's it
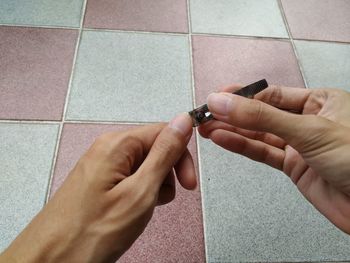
(239, 17)
(41, 12)
(325, 64)
(253, 213)
(156, 15)
(175, 233)
(35, 66)
(26, 155)
(318, 19)
(221, 61)
(130, 77)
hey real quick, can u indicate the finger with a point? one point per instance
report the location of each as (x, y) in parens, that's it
(253, 114)
(167, 149)
(132, 143)
(185, 171)
(284, 97)
(232, 88)
(167, 190)
(207, 128)
(255, 150)
(294, 166)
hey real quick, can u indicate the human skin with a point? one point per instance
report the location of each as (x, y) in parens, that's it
(109, 197)
(309, 140)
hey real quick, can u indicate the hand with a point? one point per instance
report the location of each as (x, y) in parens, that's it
(109, 197)
(312, 148)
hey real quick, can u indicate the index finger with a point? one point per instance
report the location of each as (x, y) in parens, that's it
(121, 151)
(285, 98)
(167, 149)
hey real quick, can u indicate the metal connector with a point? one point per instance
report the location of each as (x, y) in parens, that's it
(202, 114)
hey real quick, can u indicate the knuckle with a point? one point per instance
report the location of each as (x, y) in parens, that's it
(276, 96)
(272, 95)
(100, 146)
(148, 199)
(144, 196)
(318, 135)
(112, 142)
(254, 111)
(166, 144)
(129, 149)
(139, 193)
(104, 140)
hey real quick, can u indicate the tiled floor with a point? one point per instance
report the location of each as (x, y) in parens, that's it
(71, 70)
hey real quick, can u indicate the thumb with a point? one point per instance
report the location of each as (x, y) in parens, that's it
(167, 149)
(256, 115)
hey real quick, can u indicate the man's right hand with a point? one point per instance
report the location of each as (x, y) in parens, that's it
(312, 148)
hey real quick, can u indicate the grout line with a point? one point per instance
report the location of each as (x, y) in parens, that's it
(196, 134)
(177, 33)
(74, 62)
(292, 42)
(53, 164)
(79, 122)
(135, 31)
(193, 90)
(323, 41)
(201, 187)
(9, 121)
(29, 121)
(110, 122)
(272, 38)
(240, 36)
(40, 26)
(66, 101)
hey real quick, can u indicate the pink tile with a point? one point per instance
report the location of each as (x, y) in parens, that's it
(175, 233)
(35, 66)
(319, 19)
(156, 15)
(221, 61)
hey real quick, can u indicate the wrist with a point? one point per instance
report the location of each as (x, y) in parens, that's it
(45, 239)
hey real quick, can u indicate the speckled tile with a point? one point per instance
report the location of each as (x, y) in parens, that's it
(41, 12)
(130, 77)
(253, 213)
(175, 233)
(318, 19)
(156, 15)
(35, 66)
(325, 64)
(26, 155)
(221, 61)
(239, 17)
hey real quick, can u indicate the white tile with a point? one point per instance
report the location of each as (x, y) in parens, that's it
(26, 155)
(41, 12)
(131, 77)
(239, 17)
(326, 65)
(253, 213)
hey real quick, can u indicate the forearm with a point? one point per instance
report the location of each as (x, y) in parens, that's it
(37, 243)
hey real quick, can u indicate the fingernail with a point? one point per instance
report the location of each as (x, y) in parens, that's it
(219, 103)
(182, 123)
